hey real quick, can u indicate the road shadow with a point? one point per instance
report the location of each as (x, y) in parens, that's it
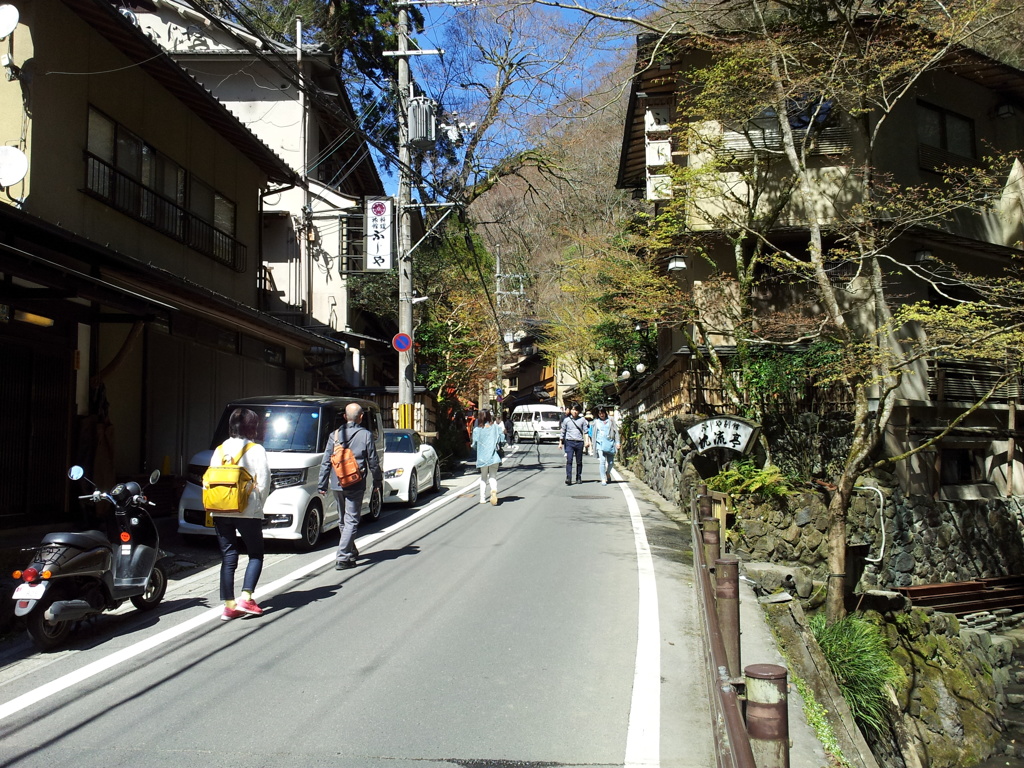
(508, 499)
(297, 598)
(383, 555)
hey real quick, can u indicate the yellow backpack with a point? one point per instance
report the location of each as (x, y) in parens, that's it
(226, 485)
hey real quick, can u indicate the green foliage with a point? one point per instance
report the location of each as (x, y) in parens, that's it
(817, 718)
(744, 477)
(374, 292)
(857, 654)
(785, 379)
(592, 386)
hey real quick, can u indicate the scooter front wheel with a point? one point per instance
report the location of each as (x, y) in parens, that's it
(154, 592)
(45, 635)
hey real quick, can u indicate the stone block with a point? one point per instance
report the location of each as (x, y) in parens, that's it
(904, 564)
(883, 601)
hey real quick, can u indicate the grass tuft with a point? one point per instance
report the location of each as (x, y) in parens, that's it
(857, 654)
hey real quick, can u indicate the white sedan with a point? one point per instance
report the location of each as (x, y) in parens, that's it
(410, 466)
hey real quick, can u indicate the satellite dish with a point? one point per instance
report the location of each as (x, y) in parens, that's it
(13, 166)
(8, 20)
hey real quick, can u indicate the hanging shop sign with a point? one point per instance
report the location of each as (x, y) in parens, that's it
(727, 432)
(378, 228)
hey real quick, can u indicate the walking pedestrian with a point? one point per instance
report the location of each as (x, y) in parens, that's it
(605, 436)
(358, 439)
(571, 439)
(488, 436)
(563, 415)
(243, 425)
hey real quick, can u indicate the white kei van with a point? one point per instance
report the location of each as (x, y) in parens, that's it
(534, 423)
(293, 430)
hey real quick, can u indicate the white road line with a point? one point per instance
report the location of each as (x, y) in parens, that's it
(20, 703)
(643, 736)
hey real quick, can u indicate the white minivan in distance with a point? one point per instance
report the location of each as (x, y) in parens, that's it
(536, 422)
(294, 431)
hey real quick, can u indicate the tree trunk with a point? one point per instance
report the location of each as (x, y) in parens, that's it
(835, 598)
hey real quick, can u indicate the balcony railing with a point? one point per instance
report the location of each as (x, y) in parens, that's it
(118, 190)
(969, 381)
(743, 146)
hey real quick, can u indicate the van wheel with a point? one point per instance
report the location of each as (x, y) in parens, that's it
(312, 527)
(515, 437)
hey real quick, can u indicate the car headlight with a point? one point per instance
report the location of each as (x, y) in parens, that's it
(286, 478)
(391, 474)
(195, 473)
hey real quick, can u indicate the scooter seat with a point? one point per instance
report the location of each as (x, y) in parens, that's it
(83, 540)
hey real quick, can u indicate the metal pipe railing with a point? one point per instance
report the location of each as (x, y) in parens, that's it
(732, 744)
(743, 725)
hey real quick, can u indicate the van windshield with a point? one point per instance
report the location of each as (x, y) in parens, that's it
(554, 416)
(283, 428)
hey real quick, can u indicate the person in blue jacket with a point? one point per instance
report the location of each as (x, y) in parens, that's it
(488, 436)
(605, 435)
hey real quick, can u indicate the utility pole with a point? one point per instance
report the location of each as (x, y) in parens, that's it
(499, 381)
(406, 359)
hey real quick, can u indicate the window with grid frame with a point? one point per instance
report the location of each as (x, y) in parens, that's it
(153, 181)
(944, 137)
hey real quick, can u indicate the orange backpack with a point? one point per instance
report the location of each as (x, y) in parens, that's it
(345, 464)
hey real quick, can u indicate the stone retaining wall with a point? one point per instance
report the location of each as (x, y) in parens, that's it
(925, 541)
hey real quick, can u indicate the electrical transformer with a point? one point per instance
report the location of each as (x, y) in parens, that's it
(422, 122)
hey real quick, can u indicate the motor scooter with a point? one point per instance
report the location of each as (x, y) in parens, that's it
(76, 575)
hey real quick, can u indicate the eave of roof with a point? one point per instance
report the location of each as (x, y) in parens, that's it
(61, 251)
(152, 59)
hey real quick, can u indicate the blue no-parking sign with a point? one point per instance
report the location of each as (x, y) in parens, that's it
(402, 342)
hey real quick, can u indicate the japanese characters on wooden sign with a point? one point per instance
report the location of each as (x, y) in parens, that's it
(723, 432)
(378, 228)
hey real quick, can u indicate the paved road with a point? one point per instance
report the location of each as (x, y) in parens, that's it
(555, 629)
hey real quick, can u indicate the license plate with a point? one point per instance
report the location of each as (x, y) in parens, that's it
(29, 591)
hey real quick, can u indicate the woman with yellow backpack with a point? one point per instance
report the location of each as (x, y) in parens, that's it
(236, 505)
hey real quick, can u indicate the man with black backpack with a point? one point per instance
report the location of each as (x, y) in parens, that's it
(349, 486)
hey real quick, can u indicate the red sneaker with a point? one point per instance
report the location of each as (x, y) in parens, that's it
(250, 607)
(231, 613)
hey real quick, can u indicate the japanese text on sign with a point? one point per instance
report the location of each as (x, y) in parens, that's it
(721, 433)
(378, 227)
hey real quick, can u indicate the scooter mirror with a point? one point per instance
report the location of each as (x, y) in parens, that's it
(76, 473)
(154, 476)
